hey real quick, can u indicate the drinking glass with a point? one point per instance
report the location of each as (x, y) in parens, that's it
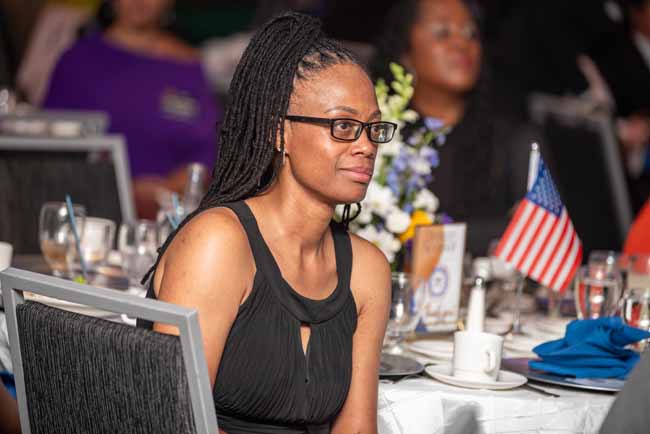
(597, 290)
(409, 302)
(55, 234)
(639, 271)
(97, 242)
(607, 258)
(137, 242)
(635, 310)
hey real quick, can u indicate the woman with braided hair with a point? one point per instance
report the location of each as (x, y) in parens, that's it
(292, 308)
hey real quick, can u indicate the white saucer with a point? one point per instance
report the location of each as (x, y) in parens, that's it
(435, 349)
(506, 379)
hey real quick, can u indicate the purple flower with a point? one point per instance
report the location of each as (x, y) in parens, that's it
(433, 123)
(400, 163)
(408, 208)
(392, 179)
(434, 158)
(413, 140)
(445, 218)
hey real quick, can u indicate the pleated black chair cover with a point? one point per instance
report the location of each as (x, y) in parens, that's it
(93, 376)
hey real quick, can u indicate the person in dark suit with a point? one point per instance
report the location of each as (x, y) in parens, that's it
(484, 159)
(625, 66)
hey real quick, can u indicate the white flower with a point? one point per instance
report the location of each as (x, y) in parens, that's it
(379, 199)
(388, 244)
(384, 240)
(365, 216)
(390, 149)
(421, 166)
(426, 200)
(369, 233)
(410, 115)
(397, 221)
(394, 103)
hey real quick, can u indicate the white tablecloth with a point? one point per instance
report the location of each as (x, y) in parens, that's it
(426, 406)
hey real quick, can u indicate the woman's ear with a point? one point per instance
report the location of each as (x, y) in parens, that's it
(287, 134)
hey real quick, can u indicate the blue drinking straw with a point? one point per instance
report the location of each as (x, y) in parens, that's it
(73, 224)
(172, 221)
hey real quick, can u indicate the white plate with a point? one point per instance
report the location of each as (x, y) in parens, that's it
(553, 326)
(505, 380)
(523, 343)
(438, 350)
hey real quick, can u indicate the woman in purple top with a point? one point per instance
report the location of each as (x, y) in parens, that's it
(152, 86)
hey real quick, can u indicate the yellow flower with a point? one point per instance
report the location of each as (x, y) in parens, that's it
(417, 218)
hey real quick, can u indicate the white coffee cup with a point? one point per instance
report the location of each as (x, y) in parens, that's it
(6, 251)
(477, 355)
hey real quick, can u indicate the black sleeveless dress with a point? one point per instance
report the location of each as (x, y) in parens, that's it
(266, 384)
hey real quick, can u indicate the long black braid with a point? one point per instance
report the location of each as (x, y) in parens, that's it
(290, 46)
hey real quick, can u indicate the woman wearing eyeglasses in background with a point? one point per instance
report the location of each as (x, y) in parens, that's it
(292, 308)
(483, 159)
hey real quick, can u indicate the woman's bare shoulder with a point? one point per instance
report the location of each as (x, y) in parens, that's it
(370, 271)
(211, 243)
(210, 232)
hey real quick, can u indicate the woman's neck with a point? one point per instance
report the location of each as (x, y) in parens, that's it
(446, 106)
(295, 216)
(137, 39)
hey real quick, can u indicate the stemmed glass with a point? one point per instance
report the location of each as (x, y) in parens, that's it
(137, 242)
(597, 290)
(635, 310)
(55, 234)
(409, 302)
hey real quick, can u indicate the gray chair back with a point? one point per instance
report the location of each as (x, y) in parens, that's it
(80, 374)
(35, 170)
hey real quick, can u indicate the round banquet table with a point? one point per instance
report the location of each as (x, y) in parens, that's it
(426, 406)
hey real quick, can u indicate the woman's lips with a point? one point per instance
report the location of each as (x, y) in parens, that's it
(359, 174)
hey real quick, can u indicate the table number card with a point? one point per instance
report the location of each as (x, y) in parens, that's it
(438, 257)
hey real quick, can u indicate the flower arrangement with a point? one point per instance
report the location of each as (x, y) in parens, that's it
(398, 199)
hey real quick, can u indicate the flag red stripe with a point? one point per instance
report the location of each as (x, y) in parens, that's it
(522, 234)
(538, 229)
(558, 242)
(546, 240)
(563, 260)
(575, 266)
(511, 227)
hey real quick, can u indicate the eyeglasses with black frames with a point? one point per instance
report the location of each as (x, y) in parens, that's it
(350, 130)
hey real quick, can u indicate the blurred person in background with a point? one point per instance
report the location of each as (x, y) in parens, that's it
(153, 87)
(625, 66)
(484, 157)
(638, 238)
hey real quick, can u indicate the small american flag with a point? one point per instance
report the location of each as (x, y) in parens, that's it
(540, 240)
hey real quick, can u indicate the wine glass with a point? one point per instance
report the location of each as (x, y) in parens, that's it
(97, 241)
(137, 242)
(635, 310)
(597, 290)
(409, 302)
(639, 271)
(55, 234)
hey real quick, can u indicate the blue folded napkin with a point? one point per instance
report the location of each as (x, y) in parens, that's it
(592, 348)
